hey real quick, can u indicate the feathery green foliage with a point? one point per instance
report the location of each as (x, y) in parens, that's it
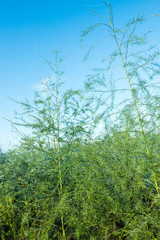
(63, 182)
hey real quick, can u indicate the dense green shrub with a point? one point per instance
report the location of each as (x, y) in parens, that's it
(108, 192)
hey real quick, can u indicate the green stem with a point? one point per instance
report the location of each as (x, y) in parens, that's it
(133, 97)
(59, 159)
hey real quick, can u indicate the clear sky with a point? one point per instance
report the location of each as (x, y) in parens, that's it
(31, 28)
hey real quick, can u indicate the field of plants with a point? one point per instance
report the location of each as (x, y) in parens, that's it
(66, 182)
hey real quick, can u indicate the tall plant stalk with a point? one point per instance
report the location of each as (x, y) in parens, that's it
(60, 188)
(134, 65)
(47, 121)
(127, 76)
(131, 89)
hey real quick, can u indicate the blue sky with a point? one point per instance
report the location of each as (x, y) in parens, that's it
(29, 29)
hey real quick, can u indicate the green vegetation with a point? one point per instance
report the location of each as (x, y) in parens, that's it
(62, 182)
